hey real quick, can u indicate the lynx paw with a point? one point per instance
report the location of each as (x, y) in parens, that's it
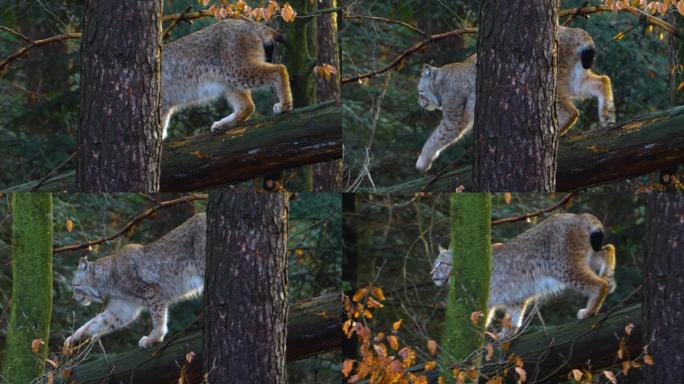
(71, 341)
(282, 107)
(608, 116)
(583, 314)
(147, 341)
(423, 165)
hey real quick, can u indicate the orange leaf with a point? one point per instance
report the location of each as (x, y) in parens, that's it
(189, 356)
(288, 13)
(35, 345)
(368, 314)
(430, 365)
(648, 359)
(521, 372)
(474, 317)
(680, 7)
(576, 374)
(69, 225)
(507, 198)
(377, 292)
(610, 376)
(372, 303)
(393, 342)
(50, 378)
(626, 366)
(347, 367)
(396, 325)
(360, 294)
(441, 380)
(432, 347)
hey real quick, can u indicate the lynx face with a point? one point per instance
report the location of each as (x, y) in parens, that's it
(84, 292)
(442, 267)
(426, 95)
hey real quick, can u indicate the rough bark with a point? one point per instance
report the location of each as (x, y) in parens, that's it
(327, 177)
(516, 129)
(633, 148)
(245, 330)
(119, 135)
(663, 273)
(469, 286)
(306, 136)
(31, 287)
(313, 327)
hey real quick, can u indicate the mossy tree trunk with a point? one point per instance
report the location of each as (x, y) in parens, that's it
(469, 285)
(31, 287)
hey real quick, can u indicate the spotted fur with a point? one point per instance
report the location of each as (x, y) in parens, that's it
(226, 59)
(556, 254)
(451, 88)
(138, 277)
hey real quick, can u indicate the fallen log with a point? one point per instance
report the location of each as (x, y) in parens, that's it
(633, 148)
(314, 326)
(263, 146)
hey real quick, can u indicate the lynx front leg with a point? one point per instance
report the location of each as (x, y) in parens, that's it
(567, 115)
(604, 262)
(275, 74)
(450, 130)
(601, 88)
(243, 107)
(117, 315)
(159, 314)
(591, 285)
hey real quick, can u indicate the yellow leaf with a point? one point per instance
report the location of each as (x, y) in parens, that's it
(393, 342)
(507, 198)
(360, 294)
(626, 366)
(35, 345)
(521, 373)
(288, 13)
(441, 380)
(474, 317)
(379, 337)
(367, 314)
(396, 325)
(372, 303)
(347, 366)
(346, 326)
(432, 347)
(680, 7)
(69, 225)
(576, 374)
(610, 376)
(430, 365)
(377, 292)
(648, 359)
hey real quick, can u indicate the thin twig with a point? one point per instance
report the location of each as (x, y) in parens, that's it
(387, 21)
(132, 223)
(37, 43)
(15, 33)
(175, 22)
(54, 171)
(540, 212)
(445, 169)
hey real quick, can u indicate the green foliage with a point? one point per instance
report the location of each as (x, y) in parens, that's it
(29, 323)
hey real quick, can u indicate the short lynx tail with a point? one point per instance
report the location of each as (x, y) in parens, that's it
(596, 239)
(588, 54)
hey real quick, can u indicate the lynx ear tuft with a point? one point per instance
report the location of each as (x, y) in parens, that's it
(427, 69)
(83, 264)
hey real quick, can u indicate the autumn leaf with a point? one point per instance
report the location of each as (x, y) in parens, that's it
(360, 294)
(50, 378)
(522, 374)
(626, 366)
(432, 347)
(189, 356)
(346, 326)
(53, 363)
(648, 359)
(507, 198)
(377, 292)
(288, 13)
(379, 337)
(347, 366)
(628, 328)
(367, 314)
(69, 225)
(441, 380)
(474, 317)
(490, 352)
(393, 342)
(205, 2)
(396, 325)
(396, 366)
(430, 365)
(576, 374)
(680, 7)
(610, 376)
(35, 345)
(372, 303)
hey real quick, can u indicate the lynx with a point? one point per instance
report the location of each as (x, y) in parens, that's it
(226, 59)
(451, 88)
(151, 276)
(563, 251)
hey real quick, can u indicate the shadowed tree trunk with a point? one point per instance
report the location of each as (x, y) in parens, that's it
(119, 135)
(31, 287)
(327, 177)
(469, 285)
(245, 296)
(516, 130)
(663, 305)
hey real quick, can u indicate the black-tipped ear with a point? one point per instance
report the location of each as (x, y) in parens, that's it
(83, 264)
(427, 69)
(596, 239)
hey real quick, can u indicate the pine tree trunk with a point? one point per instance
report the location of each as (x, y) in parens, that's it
(469, 285)
(327, 177)
(119, 135)
(31, 287)
(516, 129)
(245, 296)
(663, 303)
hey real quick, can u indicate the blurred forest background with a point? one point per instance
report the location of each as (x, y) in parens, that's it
(39, 94)
(395, 239)
(385, 128)
(314, 263)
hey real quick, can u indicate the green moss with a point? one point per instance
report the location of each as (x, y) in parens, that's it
(31, 286)
(469, 284)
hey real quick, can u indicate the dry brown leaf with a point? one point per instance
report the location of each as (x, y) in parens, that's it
(576, 374)
(347, 366)
(393, 342)
(490, 352)
(610, 376)
(288, 13)
(507, 198)
(648, 359)
(521, 373)
(474, 317)
(432, 347)
(396, 325)
(360, 294)
(628, 328)
(430, 365)
(69, 225)
(189, 356)
(35, 345)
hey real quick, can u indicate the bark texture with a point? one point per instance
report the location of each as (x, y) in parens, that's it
(469, 286)
(516, 129)
(663, 286)
(31, 287)
(245, 297)
(119, 135)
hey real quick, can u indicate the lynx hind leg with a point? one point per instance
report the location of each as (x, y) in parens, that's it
(242, 105)
(116, 316)
(601, 87)
(607, 265)
(567, 115)
(450, 130)
(159, 314)
(276, 75)
(588, 283)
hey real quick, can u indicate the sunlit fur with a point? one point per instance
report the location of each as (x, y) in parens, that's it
(544, 260)
(451, 88)
(138, 277)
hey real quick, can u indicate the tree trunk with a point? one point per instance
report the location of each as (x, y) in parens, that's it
(469, 285)
(327, 177)
(31, 287)
(663, 286)
(246, 314)
(675, 55)
(119, 135)
(516, 129)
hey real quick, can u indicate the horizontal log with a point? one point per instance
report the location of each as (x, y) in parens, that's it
(259, 147)
(314, 326)
(628, 149)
